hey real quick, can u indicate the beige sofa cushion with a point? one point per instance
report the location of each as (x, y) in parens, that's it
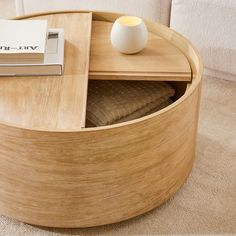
(157, 10)
(211, 26)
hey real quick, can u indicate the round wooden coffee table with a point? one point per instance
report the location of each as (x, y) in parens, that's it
(56, 172)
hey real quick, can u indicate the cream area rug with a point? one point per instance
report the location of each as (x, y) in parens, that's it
(206, 204)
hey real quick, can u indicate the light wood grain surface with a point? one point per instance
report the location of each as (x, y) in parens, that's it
(53, 102)
(160, 60)
(95, 176)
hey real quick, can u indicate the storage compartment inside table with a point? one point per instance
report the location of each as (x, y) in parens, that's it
(113, 102)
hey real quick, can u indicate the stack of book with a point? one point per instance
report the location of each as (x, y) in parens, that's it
(28, 47)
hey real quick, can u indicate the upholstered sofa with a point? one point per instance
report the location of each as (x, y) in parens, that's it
(209, 24)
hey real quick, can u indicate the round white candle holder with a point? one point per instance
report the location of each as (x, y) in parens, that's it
(129, 34)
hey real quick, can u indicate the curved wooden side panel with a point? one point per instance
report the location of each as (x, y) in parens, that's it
(80, 179)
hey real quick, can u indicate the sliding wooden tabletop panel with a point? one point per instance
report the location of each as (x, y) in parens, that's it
(160, 60)
(53, 102)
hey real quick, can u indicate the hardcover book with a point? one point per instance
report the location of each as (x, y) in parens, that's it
(52, 63)
(22, 40)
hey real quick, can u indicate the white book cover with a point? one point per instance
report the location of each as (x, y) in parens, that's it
(22, 39)
(53, 60)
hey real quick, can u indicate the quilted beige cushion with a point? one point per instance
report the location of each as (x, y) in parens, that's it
(111, 102)
(147, 110)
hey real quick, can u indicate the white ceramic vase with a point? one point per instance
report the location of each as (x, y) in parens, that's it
(129, 34)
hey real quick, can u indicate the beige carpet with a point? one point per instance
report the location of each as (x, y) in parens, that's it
(207, 202)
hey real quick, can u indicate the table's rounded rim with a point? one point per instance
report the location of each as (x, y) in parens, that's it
(196, 77)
